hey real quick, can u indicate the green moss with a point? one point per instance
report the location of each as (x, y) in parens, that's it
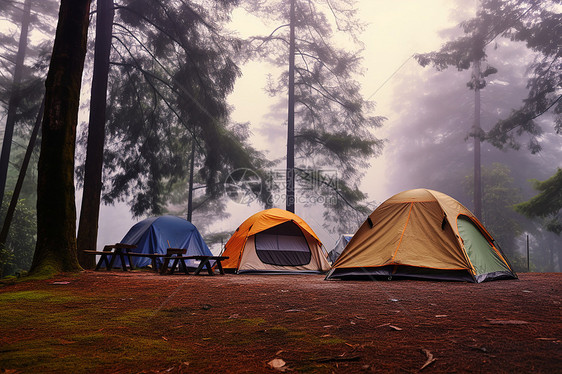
(44, 272)
(88, 338)
(253, 321)
(332, 340)
(296, 335)
(26, 308)
(26, 353)
(136, 316)
(279, 329)
(67, 355)
(65, 298)
(25, 295)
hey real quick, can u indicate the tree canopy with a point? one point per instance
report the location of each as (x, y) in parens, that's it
(547, 204)
(165, 98)
(536, 23)
(334, 123)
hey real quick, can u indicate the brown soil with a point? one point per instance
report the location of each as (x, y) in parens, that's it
(100, 322)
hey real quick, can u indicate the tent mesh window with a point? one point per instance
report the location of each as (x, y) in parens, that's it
(283, 245)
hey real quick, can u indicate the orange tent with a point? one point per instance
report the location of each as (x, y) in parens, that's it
(422, 234)
(274, 240)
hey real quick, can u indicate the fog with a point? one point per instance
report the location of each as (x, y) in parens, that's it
(428, 113)
(395, 31)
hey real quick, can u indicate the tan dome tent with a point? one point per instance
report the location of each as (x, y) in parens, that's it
(274, 240)
(422, 234)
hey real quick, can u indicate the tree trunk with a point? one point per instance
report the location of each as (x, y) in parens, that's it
(290, 188)
(21, 177)
(91, 196)
(14, 99)
(56, 211)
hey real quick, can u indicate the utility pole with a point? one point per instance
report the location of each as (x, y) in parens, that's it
(290, 181)
(476, 76)
(190, 190)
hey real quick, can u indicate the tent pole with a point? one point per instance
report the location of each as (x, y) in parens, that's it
(528, 262)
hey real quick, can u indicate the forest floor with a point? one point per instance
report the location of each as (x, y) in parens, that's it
(140, 322)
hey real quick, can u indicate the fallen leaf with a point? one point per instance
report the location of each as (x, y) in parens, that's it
(547, 339)
(294, 310)
(394, 300)
(395, 328)
(234, 316)
(60, 283)
(328, 326)
(277, 364)
(325, 336)
(384, 324)
(279, 352)
(482, 349)
(359, 317)
(507, 322)
(441, 316)
(206, 307)
(166, 339)
(430, 359)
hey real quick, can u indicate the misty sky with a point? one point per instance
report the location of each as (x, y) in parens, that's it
(396, 30)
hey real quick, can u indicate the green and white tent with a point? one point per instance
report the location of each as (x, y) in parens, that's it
(422, 234)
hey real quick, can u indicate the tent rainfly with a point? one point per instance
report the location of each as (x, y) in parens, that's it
(274, 241)
(339, 247)
(156, 234)
(422, 234)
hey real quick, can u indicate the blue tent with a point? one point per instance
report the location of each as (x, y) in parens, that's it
(156, 234)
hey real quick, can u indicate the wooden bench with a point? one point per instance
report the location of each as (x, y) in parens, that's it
(177, 255)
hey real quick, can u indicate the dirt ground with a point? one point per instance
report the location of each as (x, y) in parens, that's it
(140, 322)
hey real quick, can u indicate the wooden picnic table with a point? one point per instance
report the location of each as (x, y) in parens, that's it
(114, 250)
(174, 255)
(177, 257)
